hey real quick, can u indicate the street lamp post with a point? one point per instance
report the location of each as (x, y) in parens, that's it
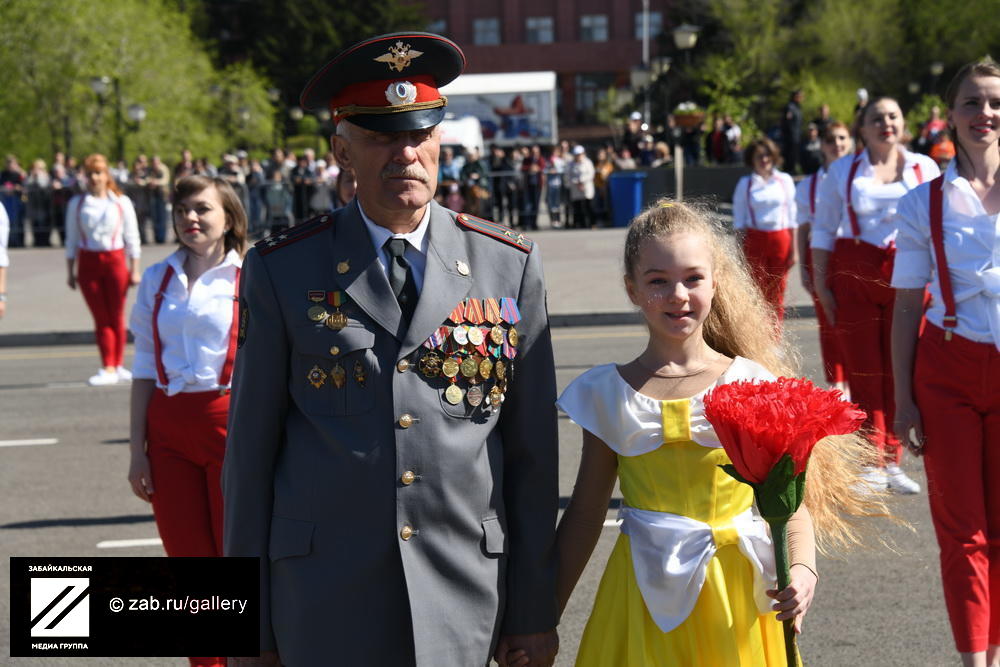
(136, 112)
(937, 69)
(685, 37)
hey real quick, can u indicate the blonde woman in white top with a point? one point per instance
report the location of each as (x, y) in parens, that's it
(101, 230)
(764, 214)
(948, 371)
(853, 245)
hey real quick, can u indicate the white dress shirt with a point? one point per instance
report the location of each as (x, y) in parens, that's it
(874, 202)
(102, 225)
(195, 322)
(416, 248)
(807, 198)
(772, 199)
(972, 250)
(4, 232)
(670, 552)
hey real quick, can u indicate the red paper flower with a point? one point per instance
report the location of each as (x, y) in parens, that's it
(759, 422)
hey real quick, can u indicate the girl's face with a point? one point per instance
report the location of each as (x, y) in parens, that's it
(836, 144)
(673, 284)
(97, 181)
(883, 123)
(762, 162)
(200, 221)
(976, 112)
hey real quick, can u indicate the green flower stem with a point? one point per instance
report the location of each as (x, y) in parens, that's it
(779, 534)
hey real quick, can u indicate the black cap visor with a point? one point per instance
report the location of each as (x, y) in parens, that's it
(403, 121)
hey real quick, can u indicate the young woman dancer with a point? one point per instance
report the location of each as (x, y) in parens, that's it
(101, 230)
(185, 326)
(836, 144)
(644, 423)
(853, 243)
(764, 212)
(948, 375)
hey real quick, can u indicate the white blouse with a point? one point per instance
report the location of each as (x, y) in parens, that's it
(195, 322)
(4, 232)
(972, 249)
(874, 202)
(807, 196)
(773, 202)
(104, 223)
(670, 552)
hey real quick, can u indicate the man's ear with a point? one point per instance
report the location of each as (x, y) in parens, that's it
(339, 145)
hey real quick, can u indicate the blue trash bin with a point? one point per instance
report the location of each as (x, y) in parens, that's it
(626, 190)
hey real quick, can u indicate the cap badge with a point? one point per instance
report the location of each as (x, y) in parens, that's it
(399, 56)
(401, 92)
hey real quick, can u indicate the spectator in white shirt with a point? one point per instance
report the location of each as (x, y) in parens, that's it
(101, 230)
(4, 260)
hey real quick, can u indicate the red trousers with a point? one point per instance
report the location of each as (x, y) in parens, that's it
(186, 440)
(769, 255)
(859, 277)
(830, 345)
(956, 385)
(103, 280)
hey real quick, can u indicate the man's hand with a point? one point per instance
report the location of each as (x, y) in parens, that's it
(266, 659)
(535, 650)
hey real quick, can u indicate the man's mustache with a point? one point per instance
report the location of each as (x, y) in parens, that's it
(414, 171)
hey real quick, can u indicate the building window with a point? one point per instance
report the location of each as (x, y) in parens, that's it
(538, 30)
(438, 27)
(590, 90)
(594, 28)
(486, 32)
(655, 24)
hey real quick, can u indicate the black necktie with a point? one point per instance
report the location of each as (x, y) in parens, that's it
(404, 287)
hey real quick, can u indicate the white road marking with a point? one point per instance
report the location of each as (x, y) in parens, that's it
(125, 544)
(22, 443)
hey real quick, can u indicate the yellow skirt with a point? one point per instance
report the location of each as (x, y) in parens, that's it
(724, 629)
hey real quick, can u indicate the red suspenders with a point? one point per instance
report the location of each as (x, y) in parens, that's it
(753, 216)
(227, 367)
(855, 227)
(937, 238)
(79, 221)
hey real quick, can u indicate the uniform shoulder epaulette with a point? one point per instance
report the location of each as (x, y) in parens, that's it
(496, 230)
(293, 234)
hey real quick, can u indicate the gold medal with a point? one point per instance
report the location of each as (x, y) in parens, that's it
(317, 376)
(339, 375)
(500, 370)
(496, 335)
(512, 336)
(476, 335)
(474, 396)
(430, 364)
(449, 367)
(485, 368)
(469, 367)
(336, 320)
(453, 394)
(317, 313)
(359, 373)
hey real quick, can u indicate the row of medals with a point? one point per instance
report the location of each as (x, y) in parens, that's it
(335, 320)
(475, 368)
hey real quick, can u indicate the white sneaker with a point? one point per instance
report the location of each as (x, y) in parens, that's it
(124, 374)
(898, 482)
(103, 378)
(872, 480)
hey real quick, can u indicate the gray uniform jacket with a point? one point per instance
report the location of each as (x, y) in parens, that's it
(393, 527)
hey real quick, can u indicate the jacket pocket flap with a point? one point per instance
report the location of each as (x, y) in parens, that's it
(290, 537)
(320, 341)
(496, 539)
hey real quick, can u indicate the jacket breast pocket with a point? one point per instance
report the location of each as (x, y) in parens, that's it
(289, 537)
(332, 371)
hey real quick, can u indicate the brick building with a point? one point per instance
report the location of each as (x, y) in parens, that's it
(590, 44)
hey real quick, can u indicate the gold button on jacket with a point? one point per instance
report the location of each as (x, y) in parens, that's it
(406, 420)
(407, 477)
(406, 532)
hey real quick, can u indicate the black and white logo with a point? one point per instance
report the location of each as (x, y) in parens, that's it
(60, 607)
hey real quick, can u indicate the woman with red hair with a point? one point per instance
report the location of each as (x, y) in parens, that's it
(101, 230)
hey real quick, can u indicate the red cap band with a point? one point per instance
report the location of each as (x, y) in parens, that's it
(388, 94)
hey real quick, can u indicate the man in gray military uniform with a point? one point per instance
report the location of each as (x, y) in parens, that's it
(392, 454)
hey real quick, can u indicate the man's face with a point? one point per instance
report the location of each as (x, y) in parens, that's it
(395, 171)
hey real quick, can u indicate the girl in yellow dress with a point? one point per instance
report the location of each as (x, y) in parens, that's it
(690, 579)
